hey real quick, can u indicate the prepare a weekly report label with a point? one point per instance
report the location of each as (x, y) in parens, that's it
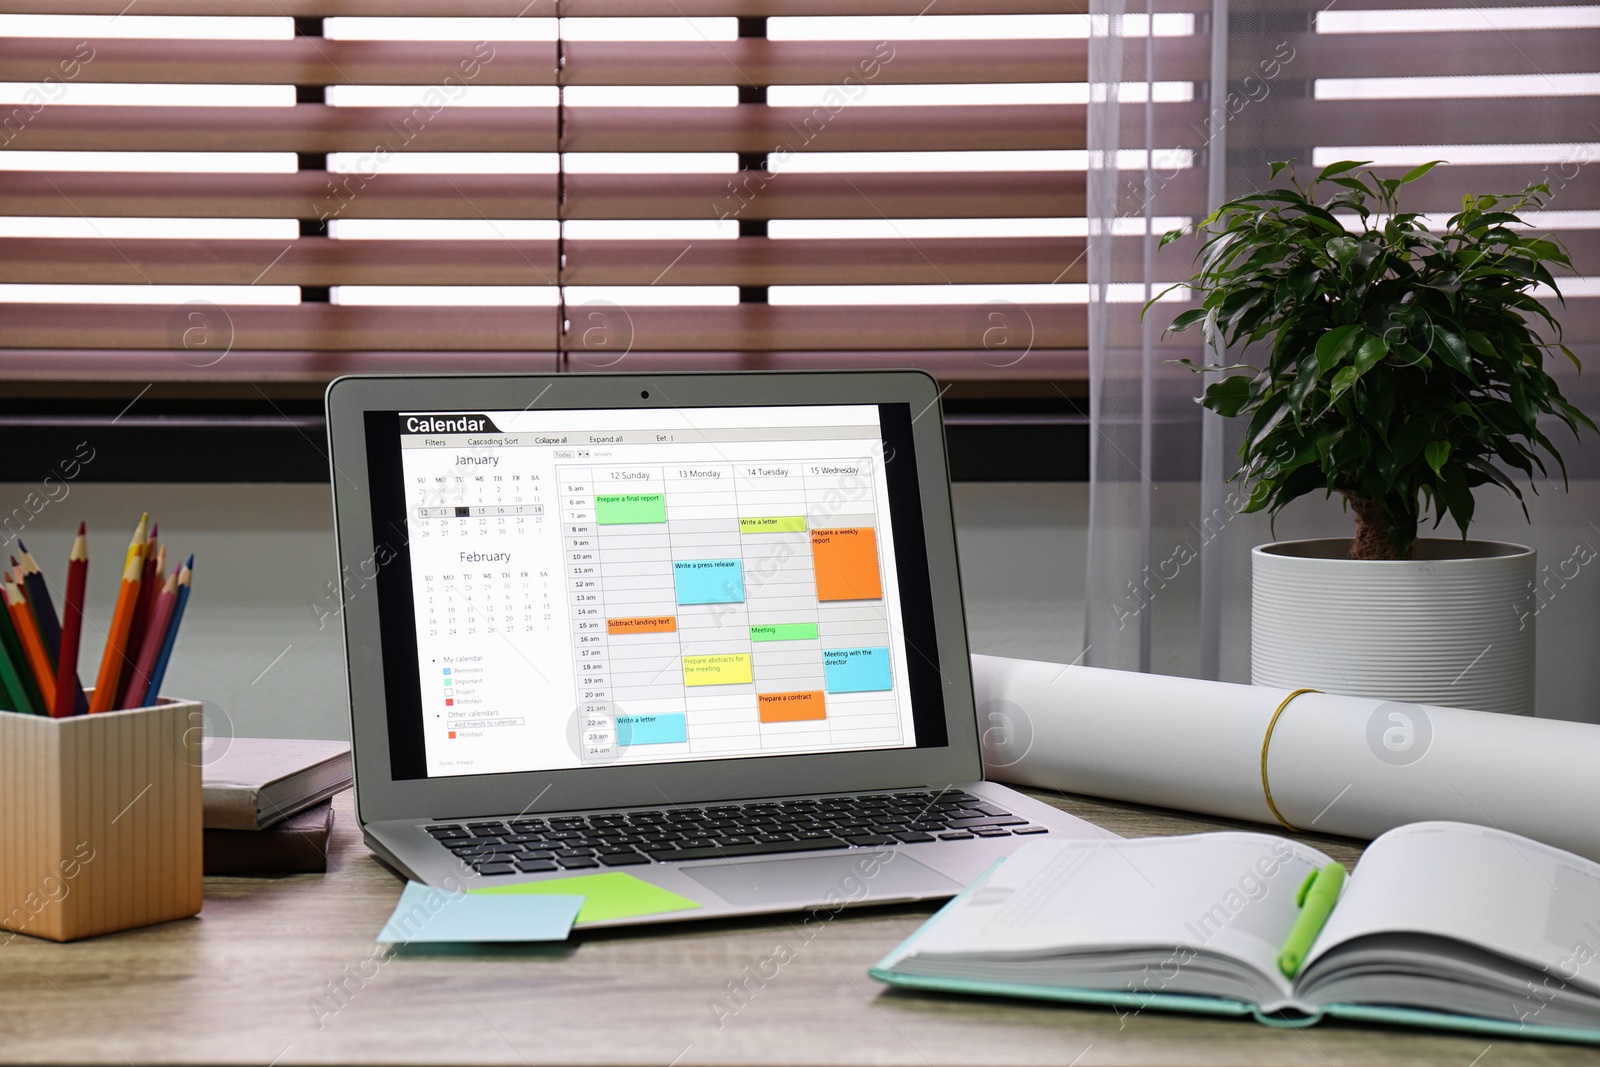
(652, 585)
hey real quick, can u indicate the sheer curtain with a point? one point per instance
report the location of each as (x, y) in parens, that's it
(1505, 93)
(1147, 151)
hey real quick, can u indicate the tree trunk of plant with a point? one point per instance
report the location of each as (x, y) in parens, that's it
(1372, 539)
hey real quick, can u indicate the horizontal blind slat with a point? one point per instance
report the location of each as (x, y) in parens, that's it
(997, 194)
(258, 366)
(1518, 120)
(1412, 55)
(745, 327)
(301, 128)
(758, 61)
(305, 261)
(857, 127)
(1061, 366)
(314, 195)
(298, 326)
(747, 261)
(322, 128)
(752, 60)
(294, 61)
(851, 261)
(570, 8)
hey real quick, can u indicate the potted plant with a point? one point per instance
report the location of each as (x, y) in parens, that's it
(1403, 369)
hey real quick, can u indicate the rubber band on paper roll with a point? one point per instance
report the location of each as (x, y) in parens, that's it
(1266, 742)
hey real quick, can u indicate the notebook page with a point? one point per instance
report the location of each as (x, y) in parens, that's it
(1231, 893)
(1503, 892)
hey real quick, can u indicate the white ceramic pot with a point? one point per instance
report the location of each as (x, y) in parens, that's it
(1454, 625)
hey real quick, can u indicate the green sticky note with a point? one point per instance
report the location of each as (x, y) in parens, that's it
(613, 895)
(621, 509)
(784, 631)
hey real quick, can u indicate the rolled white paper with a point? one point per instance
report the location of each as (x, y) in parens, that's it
(1337, 764)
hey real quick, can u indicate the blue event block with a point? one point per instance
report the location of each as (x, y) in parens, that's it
(708, 581)
(651, 730)
(856, 670)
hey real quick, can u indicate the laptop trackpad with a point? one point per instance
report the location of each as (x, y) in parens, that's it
(864, 877)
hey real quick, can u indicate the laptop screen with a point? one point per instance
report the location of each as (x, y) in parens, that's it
(587, 588)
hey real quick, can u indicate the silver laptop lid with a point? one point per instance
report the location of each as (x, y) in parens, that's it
(576, 591)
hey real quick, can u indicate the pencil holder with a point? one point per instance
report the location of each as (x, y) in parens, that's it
(100, 820)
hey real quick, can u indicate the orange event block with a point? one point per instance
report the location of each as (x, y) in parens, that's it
(846, 563)
(791, 707)
(649, 624)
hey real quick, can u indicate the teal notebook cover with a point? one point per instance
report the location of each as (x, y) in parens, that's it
(885, 972)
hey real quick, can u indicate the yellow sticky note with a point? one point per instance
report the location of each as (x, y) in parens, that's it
(729, 668)
(613, 895)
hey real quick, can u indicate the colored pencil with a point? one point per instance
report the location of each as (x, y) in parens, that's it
(69, 690)
(155, 561)
(185, 580)
(17, 695)
(44, 608)
(32, 644)
(112, 662)
(155, 637)
(19, 660)
(136, 546)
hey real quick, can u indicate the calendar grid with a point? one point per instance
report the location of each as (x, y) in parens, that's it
(718, 634)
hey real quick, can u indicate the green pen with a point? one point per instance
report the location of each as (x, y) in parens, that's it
(1318, 894)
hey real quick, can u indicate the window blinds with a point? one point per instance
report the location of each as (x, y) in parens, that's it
(362, 185)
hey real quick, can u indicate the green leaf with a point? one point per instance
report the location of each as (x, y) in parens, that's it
(1188, 319)
(1265, 421)
(1301, 282)
(1479, 342)
(1343, 380)
(1280, 166)
(1333, 346)
(1356, 185)
(1370, 353)
(1416, 172)
(1171, 236)
(1340, 167)
(1437, 452)
(1527, 411)
(1228, 396)
(1303, 383)
(1344, 251)
(1451, 348)
(1456, 496)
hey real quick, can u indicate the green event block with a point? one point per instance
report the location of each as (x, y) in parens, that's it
(785, 631)
(621, 508)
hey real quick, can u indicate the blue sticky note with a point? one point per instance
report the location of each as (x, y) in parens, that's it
(856, 670)
(708, 581)
(427, 914)
(651, 729)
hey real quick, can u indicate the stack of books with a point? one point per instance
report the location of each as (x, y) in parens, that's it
(268, 807)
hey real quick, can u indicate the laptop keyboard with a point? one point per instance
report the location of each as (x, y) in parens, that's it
(721, 831)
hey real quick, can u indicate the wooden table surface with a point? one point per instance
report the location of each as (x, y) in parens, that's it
(285, 971)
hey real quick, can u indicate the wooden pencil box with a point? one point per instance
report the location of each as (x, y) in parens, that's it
(100, 820)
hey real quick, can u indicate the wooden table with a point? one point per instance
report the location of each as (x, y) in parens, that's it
(285, 971)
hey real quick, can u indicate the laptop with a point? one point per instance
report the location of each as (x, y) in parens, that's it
(704, 630)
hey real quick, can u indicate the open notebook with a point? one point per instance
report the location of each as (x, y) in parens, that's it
(1442, 924)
